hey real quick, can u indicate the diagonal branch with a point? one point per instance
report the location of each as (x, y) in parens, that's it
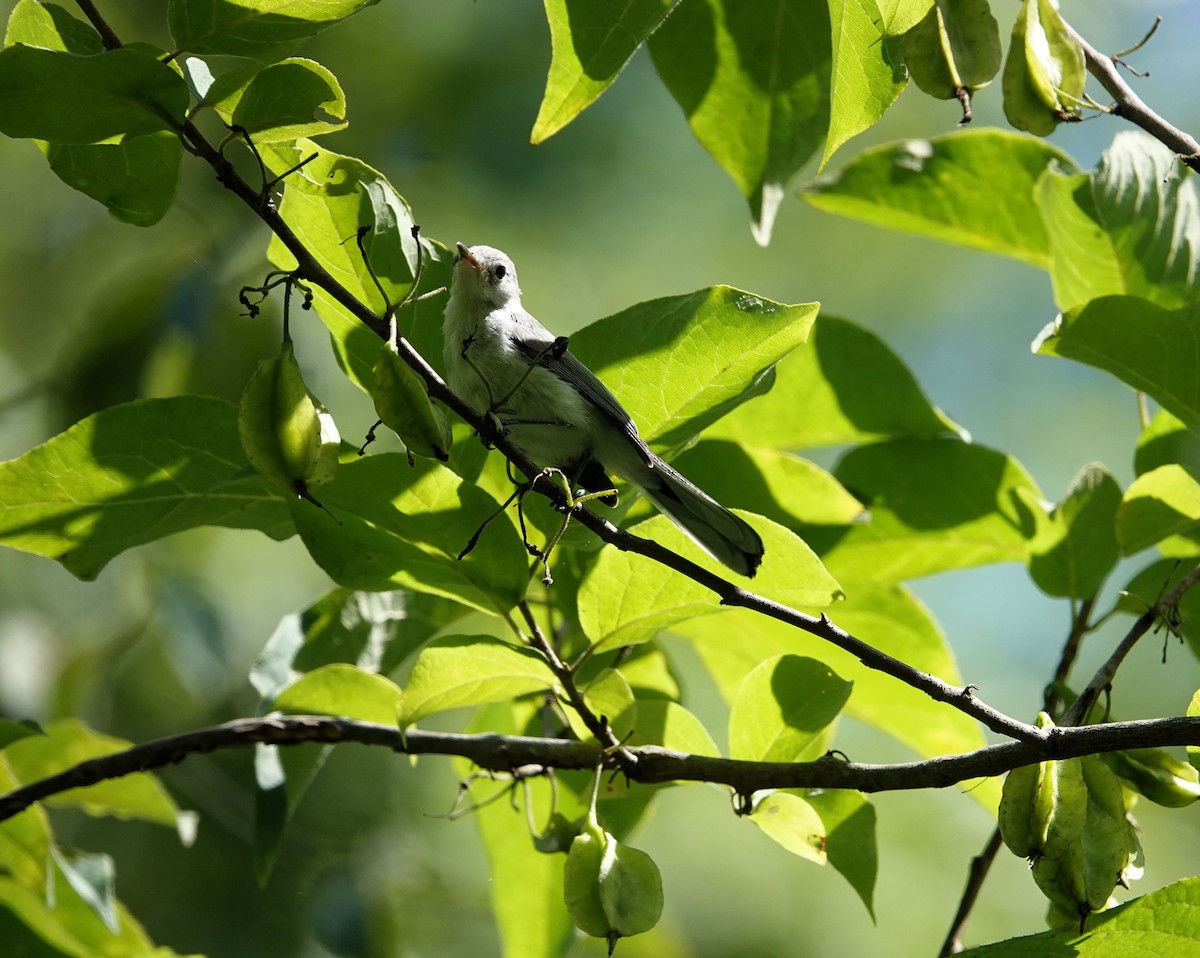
(653, 764)
(1131, 107)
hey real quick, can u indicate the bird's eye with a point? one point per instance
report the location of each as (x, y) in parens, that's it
(499, 271)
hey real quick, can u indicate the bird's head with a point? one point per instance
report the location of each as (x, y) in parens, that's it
(484, 275)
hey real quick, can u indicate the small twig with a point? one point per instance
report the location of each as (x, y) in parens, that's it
(1104, 675)
(963, 95)
(619, 753)
(1142, 42)
(980, 866)
(1131, 107)
(110, 39)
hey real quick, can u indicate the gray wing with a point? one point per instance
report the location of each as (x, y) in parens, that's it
(554, 357)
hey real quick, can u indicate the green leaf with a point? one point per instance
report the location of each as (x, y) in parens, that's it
(325, 202)
(850, 844)
(590, 43)
(136, 179)
(754, 83)
(867, 71)
(1193, 710)
(389, 526)
(25, 839)
(934, 505)
(372, 630)
(610, 696)
(785, 488)
(1164, 441)
(846, 386)
(343, 690)
(1075, 545)
(280, 102)
(526, 886)
(974, 188)
(782, 707)
(1163, 502)
(49, 26)
(793, 823)
(51, 95)
(681, 362)
(92, 877)
(68, 742)
(625, 599)
(1130, 226)
(1160, 923)
(893, 621)
(12, 730)
(669, 724)
(1145, 346)
(900, 16)
(129, 475)
(281, 777)
(263, 30)
(955, 45)
(464, 670)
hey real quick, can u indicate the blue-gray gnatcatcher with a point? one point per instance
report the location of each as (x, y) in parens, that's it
(505, 363)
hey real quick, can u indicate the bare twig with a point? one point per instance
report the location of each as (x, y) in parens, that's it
(980, 865)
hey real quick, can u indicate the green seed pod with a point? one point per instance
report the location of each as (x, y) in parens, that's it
(1044, 74)
(289, 440)
(1015, 817)
(402, 403)
(581, 882)
(1159, 775)
(955, 46)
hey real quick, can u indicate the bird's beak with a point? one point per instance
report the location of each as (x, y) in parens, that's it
(464, 256)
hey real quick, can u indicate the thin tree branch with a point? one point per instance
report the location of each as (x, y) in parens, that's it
(1104, 675)
(503, 753)
(982, 863)
(980, 866)
(1130, 106)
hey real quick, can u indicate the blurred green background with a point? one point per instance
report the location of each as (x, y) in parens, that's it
(621, 207)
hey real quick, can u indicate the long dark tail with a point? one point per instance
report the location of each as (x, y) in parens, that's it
(715, 529)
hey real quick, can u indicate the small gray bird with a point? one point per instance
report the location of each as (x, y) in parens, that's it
(504, 362)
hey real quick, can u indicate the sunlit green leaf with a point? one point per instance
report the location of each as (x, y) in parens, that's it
(1145, 346)
(386, 525)
(934, 505)
(899, 16)
(1164, 441)
(973, 188)
(132, 474)
(778, 485)
(793, 823)
(679, 363)
(590, 43)
(893, 621)
(50, 95)
(136, 179)
(849, 837)
(261, 29)
(754, 88)
(1163, 502)
(781, 707)
(343, 690)
(1160, 923)
(470, 670)
(844, 386)
(867, 71)
(280, 102)
(51, 27)
(625, 599)
(1075, 545)
(1131, 226)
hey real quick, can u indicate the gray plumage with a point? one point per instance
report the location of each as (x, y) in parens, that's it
(560, 414)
